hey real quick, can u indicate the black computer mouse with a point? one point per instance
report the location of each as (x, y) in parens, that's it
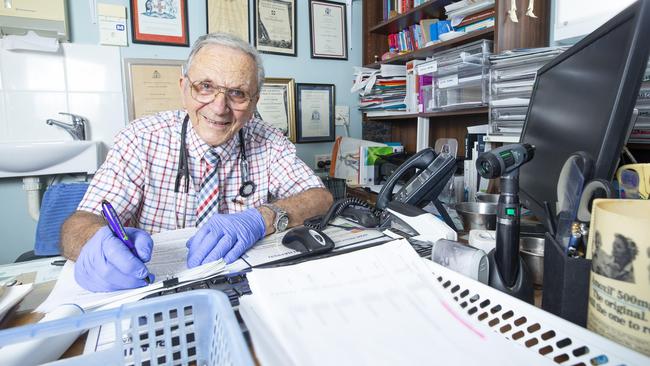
(305, 240)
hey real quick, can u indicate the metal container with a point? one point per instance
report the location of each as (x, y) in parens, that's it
(477, 215)
(487, 197)
(532, 252)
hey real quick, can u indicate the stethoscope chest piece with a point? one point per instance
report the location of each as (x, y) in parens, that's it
(247, 188)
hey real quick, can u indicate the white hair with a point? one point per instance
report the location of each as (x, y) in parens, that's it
(227, 40)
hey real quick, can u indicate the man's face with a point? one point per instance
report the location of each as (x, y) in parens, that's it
(216, 122)
(620, 251)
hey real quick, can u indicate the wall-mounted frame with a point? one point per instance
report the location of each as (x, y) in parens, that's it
(159, 22)
(228, 16)
(328, 30)
(275, 27)
(277, 105)
(152, 86)
(315, 112)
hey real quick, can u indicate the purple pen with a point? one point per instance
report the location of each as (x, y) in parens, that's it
(116, 227)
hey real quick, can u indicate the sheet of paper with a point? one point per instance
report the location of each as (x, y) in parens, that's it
(343, 233)
(168, 259)
(379, 300)
(11, 296)
(45, 271)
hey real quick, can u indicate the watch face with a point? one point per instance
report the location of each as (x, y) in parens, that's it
(282, 223)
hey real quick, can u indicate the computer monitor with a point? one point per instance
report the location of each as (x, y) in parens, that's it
(583, 100)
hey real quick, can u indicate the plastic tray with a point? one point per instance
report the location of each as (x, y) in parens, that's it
(539, 331)
(189, 328)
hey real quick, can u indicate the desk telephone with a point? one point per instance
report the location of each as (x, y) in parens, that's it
(433, 171)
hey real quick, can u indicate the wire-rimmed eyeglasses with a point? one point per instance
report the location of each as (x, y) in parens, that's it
(204, 91)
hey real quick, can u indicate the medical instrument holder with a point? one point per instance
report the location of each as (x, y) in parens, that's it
(566, 283)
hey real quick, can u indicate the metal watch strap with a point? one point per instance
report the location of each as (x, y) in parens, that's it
(278, 214)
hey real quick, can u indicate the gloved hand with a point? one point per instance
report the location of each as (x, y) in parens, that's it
(225, 236)
(106, 264)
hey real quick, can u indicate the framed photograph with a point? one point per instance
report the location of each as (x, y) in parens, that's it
(159, 22)
(277, 105)
(152, 86)
(315, 117)
(275, 27)
(328, 30)
(228, 16)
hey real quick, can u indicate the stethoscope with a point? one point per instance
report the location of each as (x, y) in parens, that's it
(246, 189)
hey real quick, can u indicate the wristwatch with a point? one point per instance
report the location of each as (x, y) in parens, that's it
(281, 220)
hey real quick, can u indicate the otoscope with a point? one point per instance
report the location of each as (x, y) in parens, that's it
(508, 273)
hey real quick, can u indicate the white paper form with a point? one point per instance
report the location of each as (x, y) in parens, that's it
(343, 233)
(378, 306)
(168, 258)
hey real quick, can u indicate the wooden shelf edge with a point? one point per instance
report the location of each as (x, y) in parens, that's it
(427, 51)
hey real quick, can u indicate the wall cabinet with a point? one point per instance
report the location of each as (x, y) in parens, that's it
(409, 128)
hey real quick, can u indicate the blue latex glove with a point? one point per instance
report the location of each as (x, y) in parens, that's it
(225, 236)
(106, 264)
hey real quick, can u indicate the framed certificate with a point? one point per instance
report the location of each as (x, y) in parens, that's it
(159, 22)
(328, 30)
(315, 117)
(152, 86)
(275, 26)
(228, 16)
(277, 105)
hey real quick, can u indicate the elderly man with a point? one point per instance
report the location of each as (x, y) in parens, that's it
(217, 172)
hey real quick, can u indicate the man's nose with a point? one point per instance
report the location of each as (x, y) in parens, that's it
(220, 103)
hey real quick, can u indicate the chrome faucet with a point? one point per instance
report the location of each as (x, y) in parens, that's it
(77, 129)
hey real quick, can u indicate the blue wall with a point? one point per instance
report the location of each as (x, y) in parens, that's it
(18, 228)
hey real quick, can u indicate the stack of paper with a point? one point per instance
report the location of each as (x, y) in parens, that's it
(383, 89)
(377, 306)
(512, 76)
(641, 131)
(11, 295)
(168, 260)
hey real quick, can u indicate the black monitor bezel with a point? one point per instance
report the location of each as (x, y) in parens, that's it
(628, 89)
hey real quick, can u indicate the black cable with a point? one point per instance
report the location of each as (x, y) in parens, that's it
(320, 222)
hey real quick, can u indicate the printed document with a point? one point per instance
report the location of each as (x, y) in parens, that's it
(377, 306)
(167, 260)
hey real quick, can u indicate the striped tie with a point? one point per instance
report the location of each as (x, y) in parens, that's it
(209, 192)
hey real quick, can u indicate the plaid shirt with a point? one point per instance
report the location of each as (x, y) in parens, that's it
(139, 173)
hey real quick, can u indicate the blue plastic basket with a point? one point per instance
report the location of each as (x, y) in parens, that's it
(189, 328)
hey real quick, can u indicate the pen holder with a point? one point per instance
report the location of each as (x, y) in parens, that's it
(566, 283)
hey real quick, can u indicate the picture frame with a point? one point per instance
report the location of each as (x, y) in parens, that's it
(328, 31)
(277, 105)
(315, 112)
(275, 27)
(152, 85)
(162, 22)
(228, 16)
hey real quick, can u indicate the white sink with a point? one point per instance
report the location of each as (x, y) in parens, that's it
(21, 159)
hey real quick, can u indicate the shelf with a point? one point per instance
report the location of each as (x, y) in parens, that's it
(390, 115)
(459, 112)
(431, 9)
(422, 53)
(508, 139)
(405, 115)
(638, 146)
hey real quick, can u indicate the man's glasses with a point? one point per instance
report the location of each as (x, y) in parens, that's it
(206, 92)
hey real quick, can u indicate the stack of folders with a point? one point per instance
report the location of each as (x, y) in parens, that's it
(512, 76)
(376, 306)
(381, 90)
(471, 15)
(641, 131)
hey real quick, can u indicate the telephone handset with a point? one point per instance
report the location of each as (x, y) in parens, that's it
(354, 209)
(434, 171)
